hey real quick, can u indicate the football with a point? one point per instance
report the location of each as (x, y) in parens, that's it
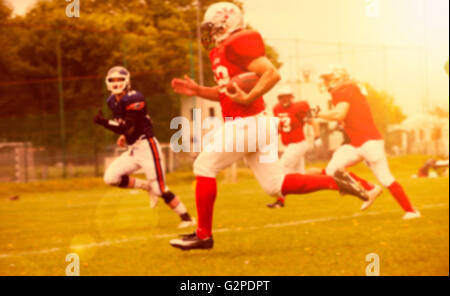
(246, 81)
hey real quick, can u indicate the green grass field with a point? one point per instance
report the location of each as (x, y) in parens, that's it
(114, 231)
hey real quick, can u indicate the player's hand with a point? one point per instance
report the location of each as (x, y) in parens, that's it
(313, 112)
(99, 118)
(239, 96)
(121, 141)
(185, 86)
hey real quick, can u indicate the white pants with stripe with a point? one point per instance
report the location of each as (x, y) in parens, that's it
(144, 154)
(372, 152)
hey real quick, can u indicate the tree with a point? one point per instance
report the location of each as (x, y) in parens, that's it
(440, 112)
(385, 111)
(153, 38)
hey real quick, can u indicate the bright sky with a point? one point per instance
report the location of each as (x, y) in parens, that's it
(320, 25)
(21, 6)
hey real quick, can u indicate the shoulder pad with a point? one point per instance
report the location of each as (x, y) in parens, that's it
(135, 95)
(243, 47)
(134, 101)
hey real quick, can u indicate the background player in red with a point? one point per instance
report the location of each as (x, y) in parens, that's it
(238, 51)
(293, 117)
(366, 143)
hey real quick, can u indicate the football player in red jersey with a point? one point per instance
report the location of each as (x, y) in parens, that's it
(352, 109)
(293, 117)
(238, 51)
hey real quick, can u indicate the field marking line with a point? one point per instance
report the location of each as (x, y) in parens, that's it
(220, 230)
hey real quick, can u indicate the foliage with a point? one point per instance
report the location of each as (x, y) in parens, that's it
(440, 112)
(155, 39)
(384, 110)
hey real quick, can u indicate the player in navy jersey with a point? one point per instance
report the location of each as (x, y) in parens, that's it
(131, 121)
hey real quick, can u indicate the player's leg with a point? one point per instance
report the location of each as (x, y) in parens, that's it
(208, 164)
(347, 156)
(174, 203)
(289, 162)
(344, 157)
(150, 158)
(118, 173)
(303, 149)
(275, 181)
(293, 161)
(376, 158)
(441, 163)
(206, 167)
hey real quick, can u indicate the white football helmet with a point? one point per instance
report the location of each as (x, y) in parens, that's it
(285, 95)
(220, 20)
(335, 77)
(118, 80)
(285, 90)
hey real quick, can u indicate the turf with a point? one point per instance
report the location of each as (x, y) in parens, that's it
(114, 232)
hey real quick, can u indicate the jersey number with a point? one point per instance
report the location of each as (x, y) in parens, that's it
(286, 124)
(222, 77)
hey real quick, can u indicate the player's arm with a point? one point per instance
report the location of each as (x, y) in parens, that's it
(189, 87)
(117, 126)
(338, 113)
(133, 111)
(269, 76)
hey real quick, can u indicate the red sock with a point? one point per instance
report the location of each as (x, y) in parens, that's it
(361, 181)
(205, 195)
(399, 194)
(281, 199)
(298, 184)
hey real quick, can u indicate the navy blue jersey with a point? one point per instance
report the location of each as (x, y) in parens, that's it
(130, 116)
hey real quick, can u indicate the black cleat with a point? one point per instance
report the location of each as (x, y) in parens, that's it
(276, 205)
(191, 242)
(348, 185)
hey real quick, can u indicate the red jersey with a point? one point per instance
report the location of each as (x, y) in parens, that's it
(291, 121)
(232, 58)
(359, 123)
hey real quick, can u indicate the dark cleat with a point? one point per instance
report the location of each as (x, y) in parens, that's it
(191, 242)
(348, 185)
(276, 205)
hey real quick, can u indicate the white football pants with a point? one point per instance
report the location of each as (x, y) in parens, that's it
(372, 152)
(145, 154)
(258, 145)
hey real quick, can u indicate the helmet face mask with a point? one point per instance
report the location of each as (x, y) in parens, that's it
(208, 31)
(118, 80)
(285, 100)
(285, 96)
(220, 21)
